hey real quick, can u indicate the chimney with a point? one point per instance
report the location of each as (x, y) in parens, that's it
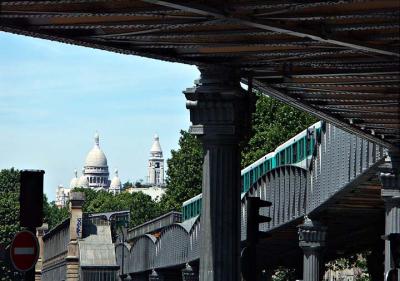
(76, 201)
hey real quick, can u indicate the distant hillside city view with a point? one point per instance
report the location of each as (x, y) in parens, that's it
(200, 140)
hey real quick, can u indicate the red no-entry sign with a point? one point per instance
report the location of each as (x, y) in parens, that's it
(24, 251)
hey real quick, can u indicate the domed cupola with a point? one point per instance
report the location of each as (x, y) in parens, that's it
(155, 150)
(75, 180)
(96, 157)
(83, 181)
(115, 186)
(96, 169)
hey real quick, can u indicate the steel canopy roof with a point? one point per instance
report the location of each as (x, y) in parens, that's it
(337, 59)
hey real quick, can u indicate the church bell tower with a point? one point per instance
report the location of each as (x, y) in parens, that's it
(156, 164)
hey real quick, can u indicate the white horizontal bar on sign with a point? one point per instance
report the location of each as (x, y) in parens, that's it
(24, 251)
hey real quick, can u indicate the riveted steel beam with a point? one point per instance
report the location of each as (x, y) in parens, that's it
(297, 32)
(319, 113)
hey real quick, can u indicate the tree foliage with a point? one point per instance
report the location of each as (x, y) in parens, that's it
(53, 215)
(273, 123)
(9, 214)
(184, 173)
(142, 207)
(356, 262)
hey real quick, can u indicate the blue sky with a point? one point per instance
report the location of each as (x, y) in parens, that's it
(53, 97)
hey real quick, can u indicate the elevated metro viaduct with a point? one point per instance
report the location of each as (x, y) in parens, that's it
(336, 59)
(338, 190)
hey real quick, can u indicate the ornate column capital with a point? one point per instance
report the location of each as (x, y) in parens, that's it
(390, 183)
(218, 106)
(312, 235)
(390, 179)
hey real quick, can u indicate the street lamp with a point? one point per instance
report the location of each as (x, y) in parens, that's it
(188, 274)
(154, 276)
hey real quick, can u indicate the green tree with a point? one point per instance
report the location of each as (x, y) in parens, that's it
(184, 173)
(52, 214)
(127, 185)
(273, 123)
(9, 213)
(284, 274)
(142, 207)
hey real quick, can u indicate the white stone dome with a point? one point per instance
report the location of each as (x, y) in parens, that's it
(83, 181)
(96, 157)
(115, 182)
(156, 147)
(74, 181)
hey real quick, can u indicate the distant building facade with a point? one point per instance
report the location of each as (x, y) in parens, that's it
(80, 248)
(155, 186)
(62, 195)
(155, 192)
(95, 175)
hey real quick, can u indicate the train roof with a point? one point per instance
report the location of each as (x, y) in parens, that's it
(255, 164)
(296, 137)
(192, 199)
(280, 147)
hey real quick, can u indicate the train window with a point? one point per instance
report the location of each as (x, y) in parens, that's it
(288, 155)
(282, 157)
(268, 165)
(308, 147)
(301, 149)
(277, 162)
(294, 149)
(261, 169)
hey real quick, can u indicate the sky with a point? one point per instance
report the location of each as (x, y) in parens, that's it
(54, 97)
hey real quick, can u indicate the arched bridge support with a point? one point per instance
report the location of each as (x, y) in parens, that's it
(390, 179)
(219, 112)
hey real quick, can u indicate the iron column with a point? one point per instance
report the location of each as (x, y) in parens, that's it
(220, 114)
(390, 179)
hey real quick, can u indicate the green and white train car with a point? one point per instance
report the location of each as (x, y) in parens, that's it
(297, 151)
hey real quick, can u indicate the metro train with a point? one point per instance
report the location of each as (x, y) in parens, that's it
(298, 151)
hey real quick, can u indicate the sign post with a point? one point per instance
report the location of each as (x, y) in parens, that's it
(24, 251)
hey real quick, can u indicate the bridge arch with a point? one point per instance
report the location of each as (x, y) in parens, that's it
(142, 254)
(172, 246)
(286, 187)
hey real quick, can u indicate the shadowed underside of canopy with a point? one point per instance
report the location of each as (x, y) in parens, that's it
(336, 59)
